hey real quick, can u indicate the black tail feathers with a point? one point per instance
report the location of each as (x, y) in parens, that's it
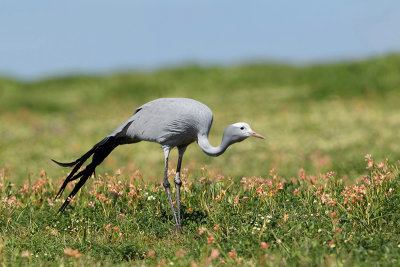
(99, 151)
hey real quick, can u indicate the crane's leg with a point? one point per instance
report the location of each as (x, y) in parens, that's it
(167, 187)
(178, 183)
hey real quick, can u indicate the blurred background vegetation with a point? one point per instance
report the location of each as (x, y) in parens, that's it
(319, 117)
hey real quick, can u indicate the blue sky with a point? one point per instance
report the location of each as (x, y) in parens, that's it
(46, 38)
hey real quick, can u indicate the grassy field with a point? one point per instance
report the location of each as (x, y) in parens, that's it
(317, 119)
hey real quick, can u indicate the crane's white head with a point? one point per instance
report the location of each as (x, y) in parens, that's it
(239, 131)
(234, 133)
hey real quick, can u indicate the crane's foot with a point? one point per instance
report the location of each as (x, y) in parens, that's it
(179, 229)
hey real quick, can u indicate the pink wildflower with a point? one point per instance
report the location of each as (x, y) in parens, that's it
(370, 164)
(333, 215)
(296, 191)
(236, 201)
(380, 165)
(25, 254)
(151, 254)
(210, 238)
(72, 253)
(180, 253)
(301, 174)
(279, 186)
(329, 175)
(202, 230)
(264, 245)
(214, 253)
(232, 254)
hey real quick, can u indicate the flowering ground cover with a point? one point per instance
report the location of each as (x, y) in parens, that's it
(271, 220)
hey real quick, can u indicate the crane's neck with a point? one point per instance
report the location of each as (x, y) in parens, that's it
(210, 150)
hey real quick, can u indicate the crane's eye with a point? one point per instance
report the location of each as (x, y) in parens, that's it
(242, 128)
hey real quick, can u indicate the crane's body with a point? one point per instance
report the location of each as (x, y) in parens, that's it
(168, 121)
(171, 122)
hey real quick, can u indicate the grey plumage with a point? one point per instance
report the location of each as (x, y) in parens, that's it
(171, 122)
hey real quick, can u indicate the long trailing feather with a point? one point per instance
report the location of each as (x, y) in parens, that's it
(66, 164)
(99, 151)
(84, 157)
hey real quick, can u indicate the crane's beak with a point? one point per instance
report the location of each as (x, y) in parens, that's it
(257, 135)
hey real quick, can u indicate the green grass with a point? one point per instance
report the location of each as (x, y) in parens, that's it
(120, 219)
(317, 118)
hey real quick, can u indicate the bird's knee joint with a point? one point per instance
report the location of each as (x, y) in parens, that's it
(166, 185)
(178, 181)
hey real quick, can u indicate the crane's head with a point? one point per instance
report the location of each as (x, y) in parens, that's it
(239, 131)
